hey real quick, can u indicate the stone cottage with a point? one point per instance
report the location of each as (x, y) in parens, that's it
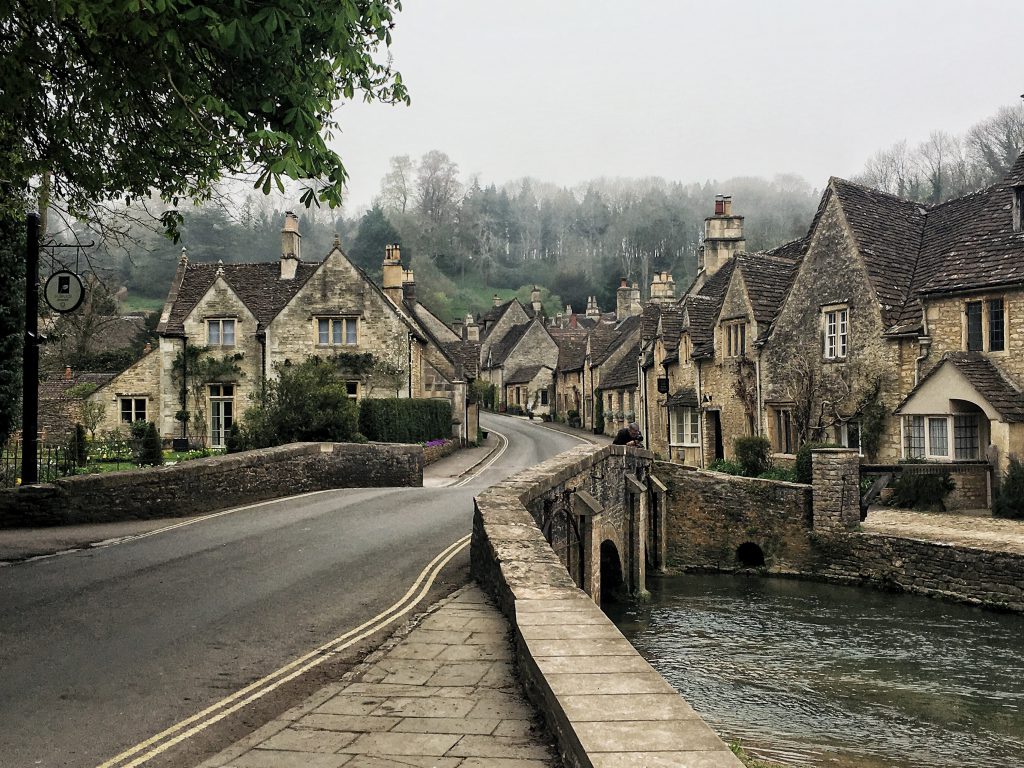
(225, 328)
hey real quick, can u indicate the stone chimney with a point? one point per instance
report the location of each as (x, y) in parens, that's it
(496, 301)
(291, 246)
(457, 327)
(627, 300)
(663, 288)
(535, 300)
(408, 285)
(592, 308)
(394, 275)
(723, 239)
(472, 330)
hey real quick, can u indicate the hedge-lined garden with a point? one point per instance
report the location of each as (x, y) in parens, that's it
(394, 420)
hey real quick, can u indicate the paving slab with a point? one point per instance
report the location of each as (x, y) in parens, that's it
(442, 695)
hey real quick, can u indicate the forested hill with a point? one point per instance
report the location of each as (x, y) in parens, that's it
(465, 240)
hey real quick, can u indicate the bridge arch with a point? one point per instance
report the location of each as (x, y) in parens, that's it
(613, 585)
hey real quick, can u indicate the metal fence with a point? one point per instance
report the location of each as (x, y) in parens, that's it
(53, 461)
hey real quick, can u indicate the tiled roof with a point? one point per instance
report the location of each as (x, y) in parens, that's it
(702, 310)
(969, 243)
(503, 348)
(888, 231)
(259, 286)
(768, 280)
(683, 398)
(649, 320)
(429, 322)
(792, 251)
(608, 342)
(465, 354)
(624, 374)
(672, 326)
(1016, 176)
(57, 387)
(492, 316)
(572, 349)
(525, 375)
(985, 377)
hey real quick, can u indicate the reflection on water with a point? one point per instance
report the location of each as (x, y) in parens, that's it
(818, 675)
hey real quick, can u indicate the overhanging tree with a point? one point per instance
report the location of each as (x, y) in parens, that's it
(116, 98)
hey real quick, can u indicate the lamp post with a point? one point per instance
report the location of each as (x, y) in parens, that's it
(30, 365)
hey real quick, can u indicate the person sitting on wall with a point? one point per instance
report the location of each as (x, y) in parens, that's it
(629, 435)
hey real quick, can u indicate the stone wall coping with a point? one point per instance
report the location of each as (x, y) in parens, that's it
(604, 702)
(836, 450)
(742, 479)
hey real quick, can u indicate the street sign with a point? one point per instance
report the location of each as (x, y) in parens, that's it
(64, 291)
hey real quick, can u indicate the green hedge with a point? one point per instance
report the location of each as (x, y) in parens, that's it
(394, 420)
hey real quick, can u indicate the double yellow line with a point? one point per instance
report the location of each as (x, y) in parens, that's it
(161, 742)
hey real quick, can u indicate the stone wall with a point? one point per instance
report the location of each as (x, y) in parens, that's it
(811, 531)
(964, 574)
(605, 704)
(709, 515)
(140, 380)
(206, 485)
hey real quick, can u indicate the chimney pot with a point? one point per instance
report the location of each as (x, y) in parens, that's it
(719, 205)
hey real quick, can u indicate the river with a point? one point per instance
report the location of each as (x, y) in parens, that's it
(809, 674)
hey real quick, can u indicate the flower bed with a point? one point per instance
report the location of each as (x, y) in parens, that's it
(438, 449)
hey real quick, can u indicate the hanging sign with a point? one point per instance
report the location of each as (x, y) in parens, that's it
(64, 291)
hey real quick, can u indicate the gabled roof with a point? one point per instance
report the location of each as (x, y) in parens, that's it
(703, 307)
(465, 355)
(649, 320)
(259, 286)
(768, 280)
(672, 323)
(982, 374)
(526, 374)
(608, 337)
(969, 242)
(888, 231)
(503, 348)
(429, 322)
(572, 348)
(624, 374)
(488, 320)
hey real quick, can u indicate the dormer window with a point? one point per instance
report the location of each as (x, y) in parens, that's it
(220, 332)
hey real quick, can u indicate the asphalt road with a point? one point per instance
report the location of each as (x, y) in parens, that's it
(101, 649)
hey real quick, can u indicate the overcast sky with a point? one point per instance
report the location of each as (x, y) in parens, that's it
(569, 90)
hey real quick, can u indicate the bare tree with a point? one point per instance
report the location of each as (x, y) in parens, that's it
(396, 188)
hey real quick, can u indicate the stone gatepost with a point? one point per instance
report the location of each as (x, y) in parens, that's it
(835, 482)
(636, 500)
(589, 512)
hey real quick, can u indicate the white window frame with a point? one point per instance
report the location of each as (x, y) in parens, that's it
(949, 422)
(352, 390)
(221, 393)
(220, 326)
(685, 423)
(340, 331)
(134, 400)
(836, 328)
(842, 435)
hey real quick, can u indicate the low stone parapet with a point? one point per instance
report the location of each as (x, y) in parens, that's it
(606, 705)
(217, 482)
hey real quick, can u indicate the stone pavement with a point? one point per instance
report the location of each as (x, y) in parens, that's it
(979, 530)
(442, 695)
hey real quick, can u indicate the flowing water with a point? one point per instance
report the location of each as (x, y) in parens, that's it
(810, 674)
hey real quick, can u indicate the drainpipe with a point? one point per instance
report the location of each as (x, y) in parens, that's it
(643, 396)
(700, 422)
(757, 382)
(408, 338)
(925, 344)
(184, 384)
(668, 419)
(262, 341)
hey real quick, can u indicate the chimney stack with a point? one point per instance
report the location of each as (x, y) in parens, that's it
(723, 239)
(408, 285)
(496, 300)
(535, 300)
(627, 300)
(472, 330)
(291, 246)
(592, 308)
(393, 274)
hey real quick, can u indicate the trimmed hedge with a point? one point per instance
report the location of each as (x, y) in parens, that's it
(394, 420)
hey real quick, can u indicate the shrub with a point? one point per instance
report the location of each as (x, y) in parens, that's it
(779, 473)
(152, 453)
(726, 466)
(79, 446)
(753, 454)
(802, 466)
(307, 402)
(1010, 501)
(396, 420)
(235, 441)
(923, 492)
(599, 412)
